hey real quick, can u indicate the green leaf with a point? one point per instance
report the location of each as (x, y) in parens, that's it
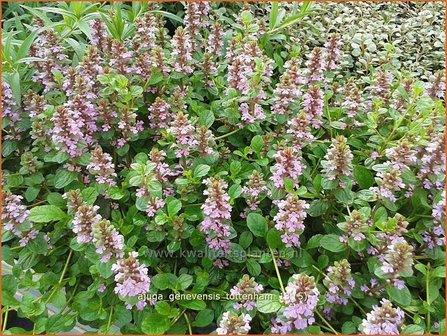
(318, 208)
(235, 191)
(438, 272)
(164, 281)
(89, 195)
(163, 308)
(184, 281)
(332, 243)
(31, 193)
(201, 170)
(400, 296)
(174, 206)
(14, 180)
(257, 224)
(38, 245)
(257, 143)
(235, 167)
(349, 327)
(314, 241)
(274, 239)
(237, 254)
(413, 329)
(273, 15)
(192, 304)
(304, 11)
(46, 213)
(380, 215)
(169, 15)
(253, 267)
(204, 318)
(25, 46)
(206, 118)
(304, 259)
(63, 178)
(245, 239)
(344, 196)
(268, 303)
(421, 268)
(58, 299)
(155, 324)
(116, 193)
(364, 178)
(59, 323)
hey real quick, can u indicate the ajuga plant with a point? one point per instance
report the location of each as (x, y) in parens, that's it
(191, 168)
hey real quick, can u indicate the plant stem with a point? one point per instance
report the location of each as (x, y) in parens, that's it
(323, 327)
(427, 289)
(58, 286)
(109, 322)
(5, 320)
(326, 322)
(227, 135)
(177, 317)
(65, 266)
(358, 306)
(277, 271)
(71, 297)
(188, 323)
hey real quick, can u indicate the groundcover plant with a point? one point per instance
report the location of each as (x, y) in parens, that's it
(223, 168)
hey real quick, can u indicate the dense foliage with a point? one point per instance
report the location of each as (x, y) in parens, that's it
(223, 167)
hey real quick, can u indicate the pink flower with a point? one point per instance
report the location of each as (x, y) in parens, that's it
(251, 113)
(217, 213)
(288, 164)
(181, 51)
(289, 219)
(131, 278)
(383, 320)
(102, 167)
(313, 101)
(109, 243)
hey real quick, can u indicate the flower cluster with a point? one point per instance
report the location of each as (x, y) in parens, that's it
(353, 101)
(288, 165)
(300, 300)
(67, 134)
(254, 190)
(131, 278)
(313, 100)
(288, 90)
(389, 182)
(436, 236)
(402, 156)
(383, 320)
(184, 134)
(432, 169)
(289, 219)
(15, 218)
(299, 128)
(85, 218)
(339, 282)
(234, 324)
(226, 150)
(109, 243)
(102, 167)
(246, 287)
(333, 52)
(398, 259)
(217, 213)
(160, 116)
(355, 227)
(337, 163)
(181, 51)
